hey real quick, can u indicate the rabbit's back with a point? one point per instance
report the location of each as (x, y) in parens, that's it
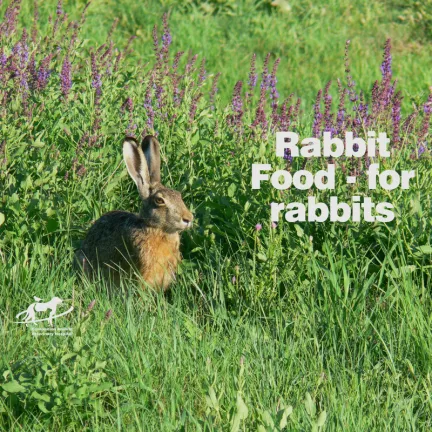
(120, 242)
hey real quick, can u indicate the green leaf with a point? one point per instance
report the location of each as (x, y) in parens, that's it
(283, 415)
(299, 230)
(42, 407)
(261, 257)
(211, 399)
(2, 219)
(267, 419)
(42, 397)
(425, 249)
(68, 356)
(241, 413)
(404, 270)
(310, 405)
(95, 388)
(100, 364)
(13, 387)
(38, 143)
(232, 190)
(322, 418)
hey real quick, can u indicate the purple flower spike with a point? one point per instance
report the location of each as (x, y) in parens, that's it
(66, 77)
(235, 120)
(59, 10)
(43, 72)
(91, 305)
(316, 128)
(96, 78)
(166, 37)
(214, 89)
(258, 227)
(253, 76)
(421, 149)
(8, 26)
(386, 66)
(287, 155)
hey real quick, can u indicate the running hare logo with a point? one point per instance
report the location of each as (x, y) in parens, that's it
(36, 313)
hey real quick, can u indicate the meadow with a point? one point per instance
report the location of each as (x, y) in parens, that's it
(269, 327)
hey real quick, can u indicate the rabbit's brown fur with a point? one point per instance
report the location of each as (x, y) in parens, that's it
(148, 242)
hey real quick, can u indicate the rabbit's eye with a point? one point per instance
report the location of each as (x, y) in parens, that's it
(159, 201)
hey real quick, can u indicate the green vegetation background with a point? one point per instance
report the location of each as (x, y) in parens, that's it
(308, 36)
(270, 330)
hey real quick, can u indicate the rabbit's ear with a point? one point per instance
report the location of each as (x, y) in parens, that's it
(151, 148)
(137, 166)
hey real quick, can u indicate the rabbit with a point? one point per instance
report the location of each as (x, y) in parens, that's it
(147, 242)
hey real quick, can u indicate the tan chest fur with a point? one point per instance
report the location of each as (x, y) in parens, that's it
(159, 258)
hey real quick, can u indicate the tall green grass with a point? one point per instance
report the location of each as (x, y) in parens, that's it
(326, 325)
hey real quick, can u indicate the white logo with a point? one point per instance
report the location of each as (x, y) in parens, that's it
(30, 312)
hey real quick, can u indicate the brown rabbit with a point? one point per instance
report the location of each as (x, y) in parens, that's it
(147, 242)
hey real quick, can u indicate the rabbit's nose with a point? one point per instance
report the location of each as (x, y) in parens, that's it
(187, 218)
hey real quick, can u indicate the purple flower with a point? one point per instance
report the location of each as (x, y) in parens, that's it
(128, 105)
(328, 122)
(96, 78)
(258, 227)
(190, 65)
(8, 26)
(176, 60)
(427, 108)
(253, 76)
(274, 95)
(265, 76)
(24, 54)
(214, 89)
(3, 58)
(159, 91)
(424, 128)
(287, 155)
(340, 120)
(316, 128)
(91, 305)
(260, 116)
(421, 149)
(194, 106)
(148, 105)
(66, 77)
(274, 225)
(285, 116)
(350, 82)
(43, 72)
(202, 73)
(362, 113)
(235, 120)
(273, 81)
(59, 10)
(386, 66)
(166, 37)
(158, 52)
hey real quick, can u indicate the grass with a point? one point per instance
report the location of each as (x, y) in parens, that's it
(332, 320)
(309, 38)
(363, 355)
